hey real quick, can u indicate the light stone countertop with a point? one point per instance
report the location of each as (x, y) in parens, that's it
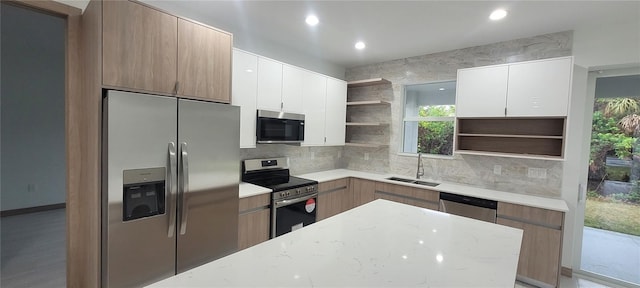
(513, 198)
(248, 190)
(379, 244)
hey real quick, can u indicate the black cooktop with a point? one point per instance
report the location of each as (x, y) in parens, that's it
(277, 180)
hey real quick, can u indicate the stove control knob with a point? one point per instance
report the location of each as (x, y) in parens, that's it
(298, 191)
(282, 194)
(288, 193)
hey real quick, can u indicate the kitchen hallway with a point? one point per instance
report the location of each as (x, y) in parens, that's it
(33, 250)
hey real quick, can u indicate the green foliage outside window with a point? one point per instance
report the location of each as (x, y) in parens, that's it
(436, 137)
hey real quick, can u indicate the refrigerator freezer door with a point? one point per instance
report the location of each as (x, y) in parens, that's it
(138, 134)
(209, 136)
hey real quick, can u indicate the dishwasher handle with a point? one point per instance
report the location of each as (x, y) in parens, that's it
(468, 200)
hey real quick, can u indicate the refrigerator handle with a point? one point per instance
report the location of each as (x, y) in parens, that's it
(184, 160)
(172, 185)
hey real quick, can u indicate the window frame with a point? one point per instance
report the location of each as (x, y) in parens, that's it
(403, 120)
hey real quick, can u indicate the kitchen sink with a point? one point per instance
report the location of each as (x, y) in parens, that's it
(413, 181)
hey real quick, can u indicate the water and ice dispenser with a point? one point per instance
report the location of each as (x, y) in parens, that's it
(143, 193)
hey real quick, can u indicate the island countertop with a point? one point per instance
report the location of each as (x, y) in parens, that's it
(379, 244)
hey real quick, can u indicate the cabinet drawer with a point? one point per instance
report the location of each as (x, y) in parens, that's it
(333, 185)
(254, 202)
(409, 201)
(531, 214)
(410, 192)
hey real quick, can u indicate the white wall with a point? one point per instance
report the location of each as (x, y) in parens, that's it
(32, 110)
(606, 44)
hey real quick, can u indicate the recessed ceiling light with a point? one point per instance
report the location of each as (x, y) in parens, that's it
(312, 20)
(498, 14)
(360, 45)
(441, 89)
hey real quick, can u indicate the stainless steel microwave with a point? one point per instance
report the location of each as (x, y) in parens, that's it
(279, 127)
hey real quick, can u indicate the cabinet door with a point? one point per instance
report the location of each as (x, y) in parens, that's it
(292, 80)
(539, 252)
(269, 84)
(363, 191)
(245, 89)
(253, 228)
(482, 92)
(539, 88)
(314, 94)
(336, 113)
(334, 197)
(139, 47)
(204, 62)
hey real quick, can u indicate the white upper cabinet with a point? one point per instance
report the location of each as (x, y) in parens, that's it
(314, 95)
(269, 84)
(482, 92)
(245, 90)
(292, 78)
(539, 88)
(336, 111)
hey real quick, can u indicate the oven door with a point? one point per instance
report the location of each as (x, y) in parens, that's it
(292, 214)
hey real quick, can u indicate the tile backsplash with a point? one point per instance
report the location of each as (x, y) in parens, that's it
(302, 159)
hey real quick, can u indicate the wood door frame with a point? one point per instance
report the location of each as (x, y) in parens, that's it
(82, 154)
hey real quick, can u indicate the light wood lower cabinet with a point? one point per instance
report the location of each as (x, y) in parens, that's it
(541, 249)
(363, 191)
(253, 222)
(419, 197)
(334, 197)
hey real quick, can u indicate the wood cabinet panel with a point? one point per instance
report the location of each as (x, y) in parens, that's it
(539, 253)
(531, 214)
(331, 185)
(334, 197)
(139, 47)
(253, 228)
(333, 203)
(363, 191)
(404, 200)
(253, 202)
(406, 191)
(204, 62)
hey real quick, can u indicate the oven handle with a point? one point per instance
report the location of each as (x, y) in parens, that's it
(283, 203)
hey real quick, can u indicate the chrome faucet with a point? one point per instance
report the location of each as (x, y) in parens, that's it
(420, 170)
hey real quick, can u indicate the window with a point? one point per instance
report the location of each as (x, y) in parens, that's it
(429, 116)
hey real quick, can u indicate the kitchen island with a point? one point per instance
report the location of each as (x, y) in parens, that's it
(379, 244)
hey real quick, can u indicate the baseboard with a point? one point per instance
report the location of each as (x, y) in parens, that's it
(32, 209)
(565, 271)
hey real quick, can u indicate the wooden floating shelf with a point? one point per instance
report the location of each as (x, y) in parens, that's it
(368, 145)
(510, 155)
(510, 136)
(365, 124)
(367, 82)
(373, 102)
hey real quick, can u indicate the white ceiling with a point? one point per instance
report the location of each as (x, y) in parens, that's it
(394, 29)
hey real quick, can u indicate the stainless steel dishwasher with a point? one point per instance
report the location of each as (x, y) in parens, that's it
(471, 207)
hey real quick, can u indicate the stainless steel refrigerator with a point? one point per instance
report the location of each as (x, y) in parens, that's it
(171, 171)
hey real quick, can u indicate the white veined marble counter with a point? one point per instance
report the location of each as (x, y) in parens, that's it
(379, 244)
